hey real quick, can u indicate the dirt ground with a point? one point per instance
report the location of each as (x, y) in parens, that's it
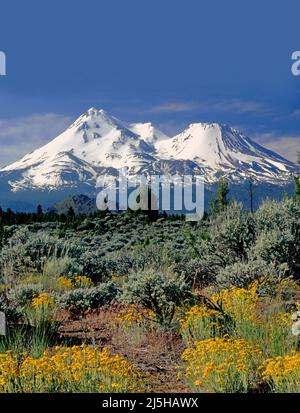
(156, 356)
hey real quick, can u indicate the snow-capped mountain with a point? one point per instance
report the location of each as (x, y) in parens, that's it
(94, 138)
(97, 144)
(219, 148)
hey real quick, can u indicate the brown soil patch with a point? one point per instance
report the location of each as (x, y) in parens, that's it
(156, 355)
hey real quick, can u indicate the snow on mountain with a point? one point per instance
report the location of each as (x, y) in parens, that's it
(148, 132)
(97, 143)
(95, 138)
(52, 171)
(218, 148)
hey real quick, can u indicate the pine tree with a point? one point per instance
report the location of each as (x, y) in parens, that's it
(297, 189)
(71, 213)
(221, 202)
(39, 213)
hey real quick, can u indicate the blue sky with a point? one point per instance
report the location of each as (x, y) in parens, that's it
(169, 61)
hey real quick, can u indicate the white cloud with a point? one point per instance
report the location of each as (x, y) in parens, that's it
(174, 107)
(238, 106)
(295, 114)
(21, 135)
(287, 146)
(229, 105)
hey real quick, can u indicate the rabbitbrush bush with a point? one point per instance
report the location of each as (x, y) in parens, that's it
(258, 347)
(244, 313)
(221, 365)
(282, 373)
(67, 370)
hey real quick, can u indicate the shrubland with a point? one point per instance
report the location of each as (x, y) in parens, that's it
(221, 297)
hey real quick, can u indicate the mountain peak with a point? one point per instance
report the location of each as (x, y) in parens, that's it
(95, 118)
(219, 147)
(92, 111)
(206, 126)
(148, 132)
(96, 112)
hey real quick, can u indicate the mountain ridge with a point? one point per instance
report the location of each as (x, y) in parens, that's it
(97, 143)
